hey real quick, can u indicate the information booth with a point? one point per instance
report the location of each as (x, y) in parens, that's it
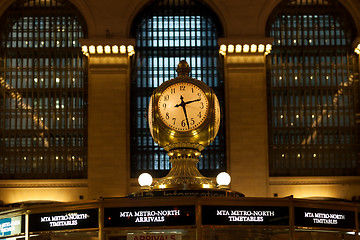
(184, 218)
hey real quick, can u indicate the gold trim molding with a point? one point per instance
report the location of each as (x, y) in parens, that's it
(106, 47)
(245, 46)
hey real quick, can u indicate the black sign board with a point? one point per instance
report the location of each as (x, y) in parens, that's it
(76, 219)
(149, 216)
(329, 218)
(244, 215)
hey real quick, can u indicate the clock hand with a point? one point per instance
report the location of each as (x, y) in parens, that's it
(182, 104)
(192, 101)
(187, 121)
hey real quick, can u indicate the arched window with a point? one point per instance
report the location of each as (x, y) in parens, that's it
(312, 90)
(166, 32)
(43, 91)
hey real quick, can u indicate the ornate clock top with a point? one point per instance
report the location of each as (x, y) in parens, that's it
(183, 68)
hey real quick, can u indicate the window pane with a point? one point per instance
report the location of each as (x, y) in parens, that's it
(43, 120)
(312, 73)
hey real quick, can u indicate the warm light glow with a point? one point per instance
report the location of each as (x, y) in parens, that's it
(223, 179)
(107, 49)
(145, 179)
(92, 49)
(115, 49)
(84, 49)
(223, 49)
(357, 49)
(253, 48)
(122, 49)
(261, 48)
(268, 48)
(99, 49)
(246, 48)
(231, 48)
(130, 50)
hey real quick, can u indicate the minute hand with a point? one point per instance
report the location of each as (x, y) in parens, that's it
(187, 121)
(192, 101)
(182, 104)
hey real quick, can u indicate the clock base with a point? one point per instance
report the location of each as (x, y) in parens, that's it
(184, 173)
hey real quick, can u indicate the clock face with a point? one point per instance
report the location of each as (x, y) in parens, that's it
(183, 106)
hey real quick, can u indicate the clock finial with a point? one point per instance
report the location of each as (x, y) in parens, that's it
(183, 68)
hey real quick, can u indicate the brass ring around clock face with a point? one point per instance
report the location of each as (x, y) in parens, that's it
(183, 106)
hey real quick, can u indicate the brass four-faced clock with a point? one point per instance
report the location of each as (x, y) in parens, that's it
(184, 118)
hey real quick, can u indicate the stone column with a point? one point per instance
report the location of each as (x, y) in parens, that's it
(246, 113)
(108, 89)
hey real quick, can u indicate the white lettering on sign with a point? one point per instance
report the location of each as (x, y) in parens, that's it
(245, 216)
(154, 236)
(69, 219)
(150, 216)
(10, 226)
(324, 218)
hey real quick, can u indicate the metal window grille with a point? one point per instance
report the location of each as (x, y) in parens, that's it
(167, 32)
(43, 91)
(312, 90)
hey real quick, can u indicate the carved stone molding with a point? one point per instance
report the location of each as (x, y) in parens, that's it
(43, 184)
(313, 180)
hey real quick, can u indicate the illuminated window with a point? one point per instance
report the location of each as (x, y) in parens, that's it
(43, 119)
(312, 75)
(166, 32)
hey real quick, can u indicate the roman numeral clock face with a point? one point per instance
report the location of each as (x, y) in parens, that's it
(183, 106)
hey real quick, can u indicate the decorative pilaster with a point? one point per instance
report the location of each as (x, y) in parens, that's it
(245, 72)
(108, 91)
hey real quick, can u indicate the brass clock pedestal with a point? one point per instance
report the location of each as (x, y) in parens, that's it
(184, 173)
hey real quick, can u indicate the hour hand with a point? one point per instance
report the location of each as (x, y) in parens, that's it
(182, 103)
